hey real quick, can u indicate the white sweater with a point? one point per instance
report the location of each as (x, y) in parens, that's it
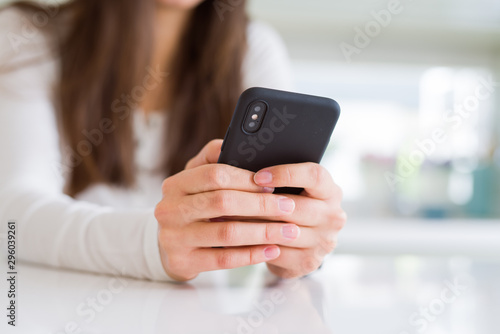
(105, 229)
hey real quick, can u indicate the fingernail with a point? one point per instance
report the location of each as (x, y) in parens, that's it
(268, 190)
(263, 177)
(286, 204)
(271, 252)
(290, 231)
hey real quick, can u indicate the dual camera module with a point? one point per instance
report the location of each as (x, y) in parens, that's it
(255, 116)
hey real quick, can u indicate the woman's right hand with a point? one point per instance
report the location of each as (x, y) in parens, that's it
(190, 224)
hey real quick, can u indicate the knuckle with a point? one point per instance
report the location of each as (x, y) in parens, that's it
(179, 266)
(310, 265)
(177, 263)
(340, 219)
(332, 224)
(263, 203)
(161, 210)
(253, 258)
(328, 245)
(268, 233)
(317, 173)
(288, 175)
(227, 233)
(158, 212)
(217, 176)
(336, 219)
(291, 273)
(226, 260)
(165, 185)
(221, 202)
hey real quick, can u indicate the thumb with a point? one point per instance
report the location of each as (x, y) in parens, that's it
(208, 154)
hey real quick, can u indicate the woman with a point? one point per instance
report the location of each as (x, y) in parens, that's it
(108, 117)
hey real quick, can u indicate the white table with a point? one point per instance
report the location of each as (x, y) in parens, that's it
(350, 294)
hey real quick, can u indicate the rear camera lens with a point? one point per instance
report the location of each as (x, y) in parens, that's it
(255, 116)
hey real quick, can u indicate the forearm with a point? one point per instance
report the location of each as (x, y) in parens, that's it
(58, 231)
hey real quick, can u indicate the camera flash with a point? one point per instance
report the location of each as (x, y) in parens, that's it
(255, 116)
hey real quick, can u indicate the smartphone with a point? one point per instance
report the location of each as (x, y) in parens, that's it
(271, 127)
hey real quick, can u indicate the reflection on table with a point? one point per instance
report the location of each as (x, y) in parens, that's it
(350, 294)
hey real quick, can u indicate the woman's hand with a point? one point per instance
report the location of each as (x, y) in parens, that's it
(317, 213)
(205, 190)
(215, 205)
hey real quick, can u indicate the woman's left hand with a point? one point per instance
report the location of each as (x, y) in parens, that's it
(317, 213)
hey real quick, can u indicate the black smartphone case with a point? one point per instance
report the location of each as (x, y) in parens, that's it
(296, 128)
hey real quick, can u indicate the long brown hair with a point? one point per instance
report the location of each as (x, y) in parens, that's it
(105, 50)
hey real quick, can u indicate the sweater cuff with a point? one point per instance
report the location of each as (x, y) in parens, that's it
(152, 250)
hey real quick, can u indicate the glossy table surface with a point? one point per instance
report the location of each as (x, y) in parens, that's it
(350, 294)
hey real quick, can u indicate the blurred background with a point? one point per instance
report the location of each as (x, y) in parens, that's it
(418, 135)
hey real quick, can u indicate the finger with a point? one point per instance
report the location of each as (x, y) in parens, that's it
(221, 203)
(281, 233)
(209, 154)
(314, 178)
(308, 212)
(206, 259)
(215, 177)
(294, 262)
(234, 233)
